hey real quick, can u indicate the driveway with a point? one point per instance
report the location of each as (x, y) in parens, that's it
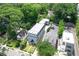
(52, 35)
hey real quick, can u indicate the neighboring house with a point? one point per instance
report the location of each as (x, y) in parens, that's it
(67, 43)
(36, 33)
(21, 34)
(69, 24)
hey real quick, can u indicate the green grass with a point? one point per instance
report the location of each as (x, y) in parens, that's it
(13, 43)
(29, 48)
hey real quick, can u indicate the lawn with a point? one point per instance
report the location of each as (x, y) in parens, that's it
(16, 44)
(13, 43)
(30, 48)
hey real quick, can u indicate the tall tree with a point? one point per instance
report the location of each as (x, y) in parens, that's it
(77, 27)
(11, 14)
(62, 11)
(45, 49)
(60, 28)
(30, 14)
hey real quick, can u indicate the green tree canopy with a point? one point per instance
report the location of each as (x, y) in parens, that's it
(45, 49)
(61, 11)
(77, 27)
(30, 14)
(12, 15)
(60, 28)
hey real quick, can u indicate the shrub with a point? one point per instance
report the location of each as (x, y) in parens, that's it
(23, 44)
(52, 18)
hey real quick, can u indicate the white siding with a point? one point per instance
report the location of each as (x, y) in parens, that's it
(32, 37)
(41, 33)
(69, 48)
(35, 37)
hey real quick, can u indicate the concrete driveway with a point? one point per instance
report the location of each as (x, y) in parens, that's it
(52, 35)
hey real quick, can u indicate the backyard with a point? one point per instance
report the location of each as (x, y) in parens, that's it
(29, 48)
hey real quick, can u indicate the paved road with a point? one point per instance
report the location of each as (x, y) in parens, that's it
(52, 35)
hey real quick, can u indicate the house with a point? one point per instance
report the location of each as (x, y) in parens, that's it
(45, 21)
(68, 43)
(69, 25)
(36, 33)
(21, 34)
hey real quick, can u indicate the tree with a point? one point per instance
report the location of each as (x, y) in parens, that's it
(2, 28)
(13, 15)
(44, 9)
(60, 28)
(30, 14)
(3, 25)
(23, 44)
(61, 11)
(52, 18)
(45, 49)
(77, 28)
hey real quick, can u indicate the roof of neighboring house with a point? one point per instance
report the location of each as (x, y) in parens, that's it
(21, 34)
(69, 24)
(36, 28)
(68, 37)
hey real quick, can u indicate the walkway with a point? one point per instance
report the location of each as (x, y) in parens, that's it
(52, 35)
(76, 43)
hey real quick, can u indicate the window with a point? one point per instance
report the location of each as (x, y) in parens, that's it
(68, 50)
(63, 43)
(68, 46)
